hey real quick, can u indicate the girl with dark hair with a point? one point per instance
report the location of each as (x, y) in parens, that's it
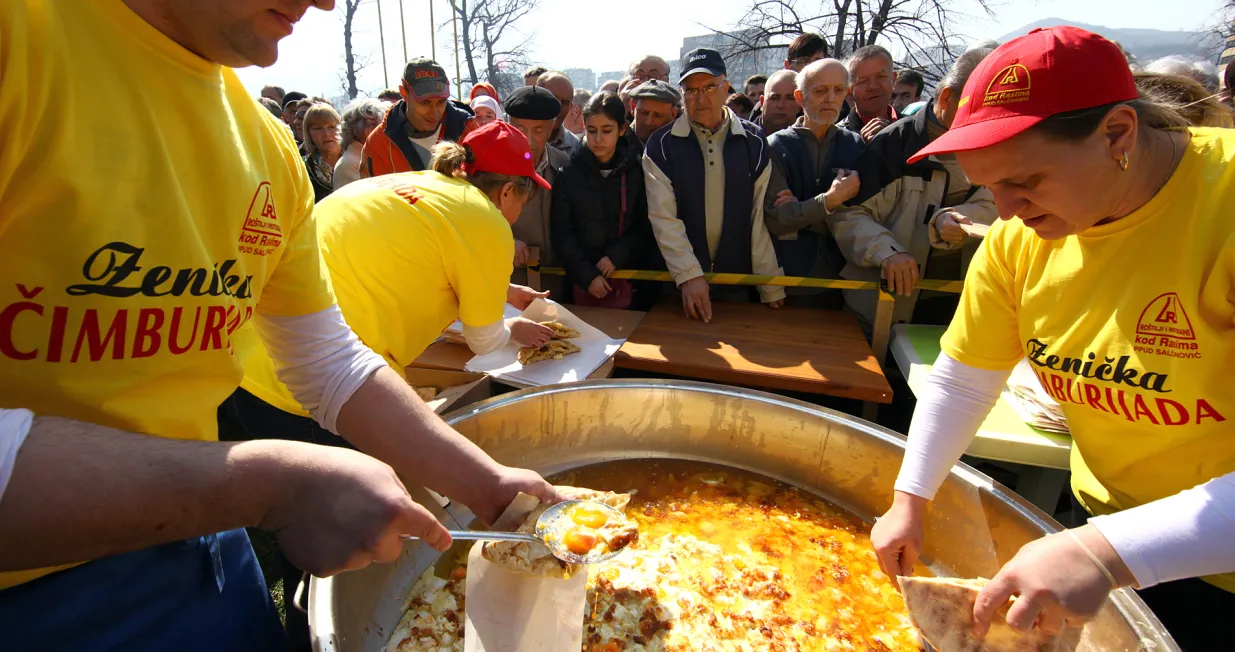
(599, 217)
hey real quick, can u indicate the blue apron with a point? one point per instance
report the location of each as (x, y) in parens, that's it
(205, 593)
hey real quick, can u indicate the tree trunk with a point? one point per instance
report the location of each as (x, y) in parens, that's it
(491, 72)
(842, 20)
(466, 26)
(349, 12)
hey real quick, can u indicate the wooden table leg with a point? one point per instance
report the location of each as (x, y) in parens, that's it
(883, 326)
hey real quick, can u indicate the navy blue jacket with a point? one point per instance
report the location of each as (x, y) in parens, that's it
(675, 150)
(792, 156)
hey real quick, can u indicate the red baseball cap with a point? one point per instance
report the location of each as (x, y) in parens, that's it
(1028, 79)
(500, 148)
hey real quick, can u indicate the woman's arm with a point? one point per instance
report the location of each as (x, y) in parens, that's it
(953, 404)
(1066, 577)
(951, 407)
(1193, 534)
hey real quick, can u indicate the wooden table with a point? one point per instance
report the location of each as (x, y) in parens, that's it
(791, 349)
(1041, 457)
(618, 324)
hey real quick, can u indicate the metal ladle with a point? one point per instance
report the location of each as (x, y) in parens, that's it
(550, 527)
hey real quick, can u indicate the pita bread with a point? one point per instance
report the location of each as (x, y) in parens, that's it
(553, 350)
(534, 558)
(561, 331)
(426, 393)
(942, 608)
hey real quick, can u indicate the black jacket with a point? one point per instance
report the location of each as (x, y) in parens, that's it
(885, 158)
(583, 218)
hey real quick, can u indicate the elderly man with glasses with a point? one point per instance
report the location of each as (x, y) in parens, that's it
(560, 85)
(706, 177)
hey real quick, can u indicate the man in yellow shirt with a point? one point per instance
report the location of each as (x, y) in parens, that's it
(1114, 274)
(134, 245)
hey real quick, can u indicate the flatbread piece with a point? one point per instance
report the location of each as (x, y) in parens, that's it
(426, 393)
(942, 608)
(560, 330)
(553, 350)
(534, 558)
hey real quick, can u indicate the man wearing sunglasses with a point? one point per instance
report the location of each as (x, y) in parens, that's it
(560, 85)
(707, 175)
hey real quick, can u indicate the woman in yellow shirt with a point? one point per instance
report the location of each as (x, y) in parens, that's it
(407, 254)
(1114, 274)
(410, 253)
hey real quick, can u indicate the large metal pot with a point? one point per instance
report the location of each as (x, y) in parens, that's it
(975, 525)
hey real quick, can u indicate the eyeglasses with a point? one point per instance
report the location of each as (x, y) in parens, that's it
(708, 91)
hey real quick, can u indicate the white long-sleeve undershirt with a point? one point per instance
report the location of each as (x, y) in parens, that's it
(1189, 534)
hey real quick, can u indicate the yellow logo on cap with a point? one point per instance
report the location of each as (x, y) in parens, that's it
(963, 102)
(1010, 86)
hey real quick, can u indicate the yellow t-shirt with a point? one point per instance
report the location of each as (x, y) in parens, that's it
(407, 254)
(148, 206)
(1130, 326)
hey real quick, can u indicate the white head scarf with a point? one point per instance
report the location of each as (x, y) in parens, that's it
(489, 103)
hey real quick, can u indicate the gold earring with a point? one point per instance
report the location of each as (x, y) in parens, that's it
(1123, 165)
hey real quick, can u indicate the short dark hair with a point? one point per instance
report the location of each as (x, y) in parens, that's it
(390, 95)
(608, 104)
(535, 71)
(869, 52)
(293, 97)
(739, 101)
(807, 44)
(912, 77)
(755, 79)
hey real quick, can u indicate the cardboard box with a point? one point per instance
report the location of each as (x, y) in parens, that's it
(455, 389)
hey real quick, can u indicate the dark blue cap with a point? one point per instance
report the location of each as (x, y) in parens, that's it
(703, 60)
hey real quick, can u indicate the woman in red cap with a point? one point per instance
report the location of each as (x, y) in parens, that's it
(1113, 273)
(410, 253)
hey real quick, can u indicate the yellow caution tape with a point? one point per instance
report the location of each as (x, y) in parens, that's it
(780, 281)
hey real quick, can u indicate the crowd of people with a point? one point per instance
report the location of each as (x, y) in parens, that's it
(842, 204)
(283, 294)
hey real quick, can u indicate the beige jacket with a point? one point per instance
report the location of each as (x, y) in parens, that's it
(900, 218)
(671, 232)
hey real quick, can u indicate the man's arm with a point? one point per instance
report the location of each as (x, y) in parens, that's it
(790, 216)
(386, 419)
(670, 232)
(762, 253)
(859, 233)
(82, 491)
(350, 390)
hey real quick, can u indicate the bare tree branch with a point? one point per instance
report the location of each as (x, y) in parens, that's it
(491, 40)
(921, 27)
(351, 67)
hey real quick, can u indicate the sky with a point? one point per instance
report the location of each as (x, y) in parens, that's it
(605, 36)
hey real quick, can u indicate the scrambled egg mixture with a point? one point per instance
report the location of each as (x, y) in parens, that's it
(725, 560)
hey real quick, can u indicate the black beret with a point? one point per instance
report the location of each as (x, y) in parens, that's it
(532, 103)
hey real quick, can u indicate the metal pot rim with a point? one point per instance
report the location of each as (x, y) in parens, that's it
(321, 596)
